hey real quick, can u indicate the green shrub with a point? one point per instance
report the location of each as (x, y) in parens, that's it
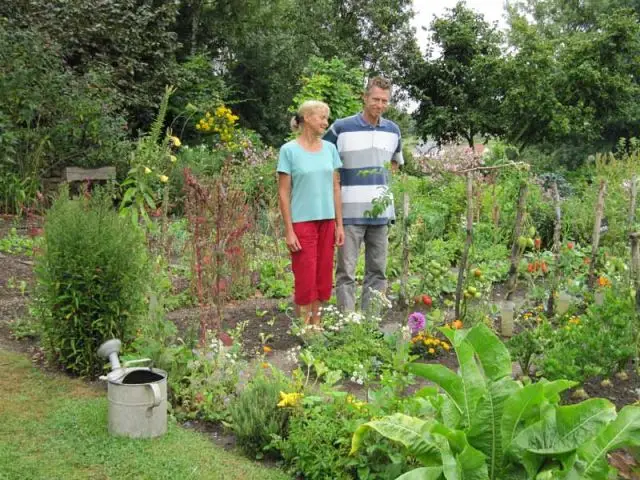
(599, 342)
(320, 437)
(255, 415)
(91, 277)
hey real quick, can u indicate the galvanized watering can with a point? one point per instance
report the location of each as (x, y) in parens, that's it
(137, 395)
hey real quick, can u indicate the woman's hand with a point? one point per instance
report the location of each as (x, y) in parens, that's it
(339, 235)
(292, 242)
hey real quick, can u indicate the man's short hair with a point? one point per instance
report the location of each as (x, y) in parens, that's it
(379, 82)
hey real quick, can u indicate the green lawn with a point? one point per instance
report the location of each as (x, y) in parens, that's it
(53, 427)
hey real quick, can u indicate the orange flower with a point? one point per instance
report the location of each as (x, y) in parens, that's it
(265, 365)
(457, 324)
(267, 349)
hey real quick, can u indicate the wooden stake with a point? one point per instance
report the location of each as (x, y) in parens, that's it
(632, 203)
(404, 280)
(516, 250)
(557, 231)
(462, 266)
(595, 240)
(635, 265)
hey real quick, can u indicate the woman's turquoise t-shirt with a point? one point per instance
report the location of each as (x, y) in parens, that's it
(311, 180)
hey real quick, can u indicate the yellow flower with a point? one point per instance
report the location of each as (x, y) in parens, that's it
(265, 365)
(432, 351)
(604, 282)
(163, 178)
(173, 158)
(289, 399)
(176, 141)
(147, 170)
(446, 346)
(352, 401)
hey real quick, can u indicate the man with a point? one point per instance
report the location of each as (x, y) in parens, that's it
(366, 143)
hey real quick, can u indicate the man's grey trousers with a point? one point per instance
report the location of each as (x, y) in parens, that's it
(375, 238)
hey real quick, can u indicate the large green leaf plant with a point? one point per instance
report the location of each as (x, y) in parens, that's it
(485, 425)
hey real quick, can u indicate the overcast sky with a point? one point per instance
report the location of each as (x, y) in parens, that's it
(492, 10)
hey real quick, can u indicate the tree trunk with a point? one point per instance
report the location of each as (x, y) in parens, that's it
(595, 240)
(196, 8)
(462, 266)
(516, 250)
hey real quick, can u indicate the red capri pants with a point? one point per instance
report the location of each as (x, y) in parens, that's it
(313, 265)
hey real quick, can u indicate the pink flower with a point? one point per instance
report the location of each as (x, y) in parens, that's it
(416, 322)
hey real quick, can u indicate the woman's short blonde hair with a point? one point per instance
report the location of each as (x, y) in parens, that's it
(306, 108)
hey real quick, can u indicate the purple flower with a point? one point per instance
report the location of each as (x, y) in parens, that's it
(416, 322)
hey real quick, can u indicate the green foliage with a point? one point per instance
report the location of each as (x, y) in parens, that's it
(25, 327)
(352, 344)
(571, 79)
(599, 342)
(275, 281)
(317, 445)
(15, 244)
(488, 426)
(132, 42)
(151, 163)
(334, 83)
(92, 278)
(53, 118)
(202, 380)
(255, 415)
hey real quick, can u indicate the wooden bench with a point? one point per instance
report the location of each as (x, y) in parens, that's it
(77, 174)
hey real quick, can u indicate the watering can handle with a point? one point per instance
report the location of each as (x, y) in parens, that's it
(156, 394)
(140, 360)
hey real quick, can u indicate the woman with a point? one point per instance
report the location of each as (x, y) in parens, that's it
(309, 197)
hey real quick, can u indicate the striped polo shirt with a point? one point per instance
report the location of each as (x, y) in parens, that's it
(365, 150)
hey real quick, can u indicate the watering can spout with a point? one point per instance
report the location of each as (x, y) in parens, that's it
(109, 350)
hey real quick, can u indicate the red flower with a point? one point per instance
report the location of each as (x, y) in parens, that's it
(426, 299)
(530, 267)
(538, 243)
(570, 245)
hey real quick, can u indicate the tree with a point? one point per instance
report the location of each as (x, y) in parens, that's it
(51, 117)
(132, 41)
(459, 91)
(334, 83)
(267, 46)
(573, 76)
